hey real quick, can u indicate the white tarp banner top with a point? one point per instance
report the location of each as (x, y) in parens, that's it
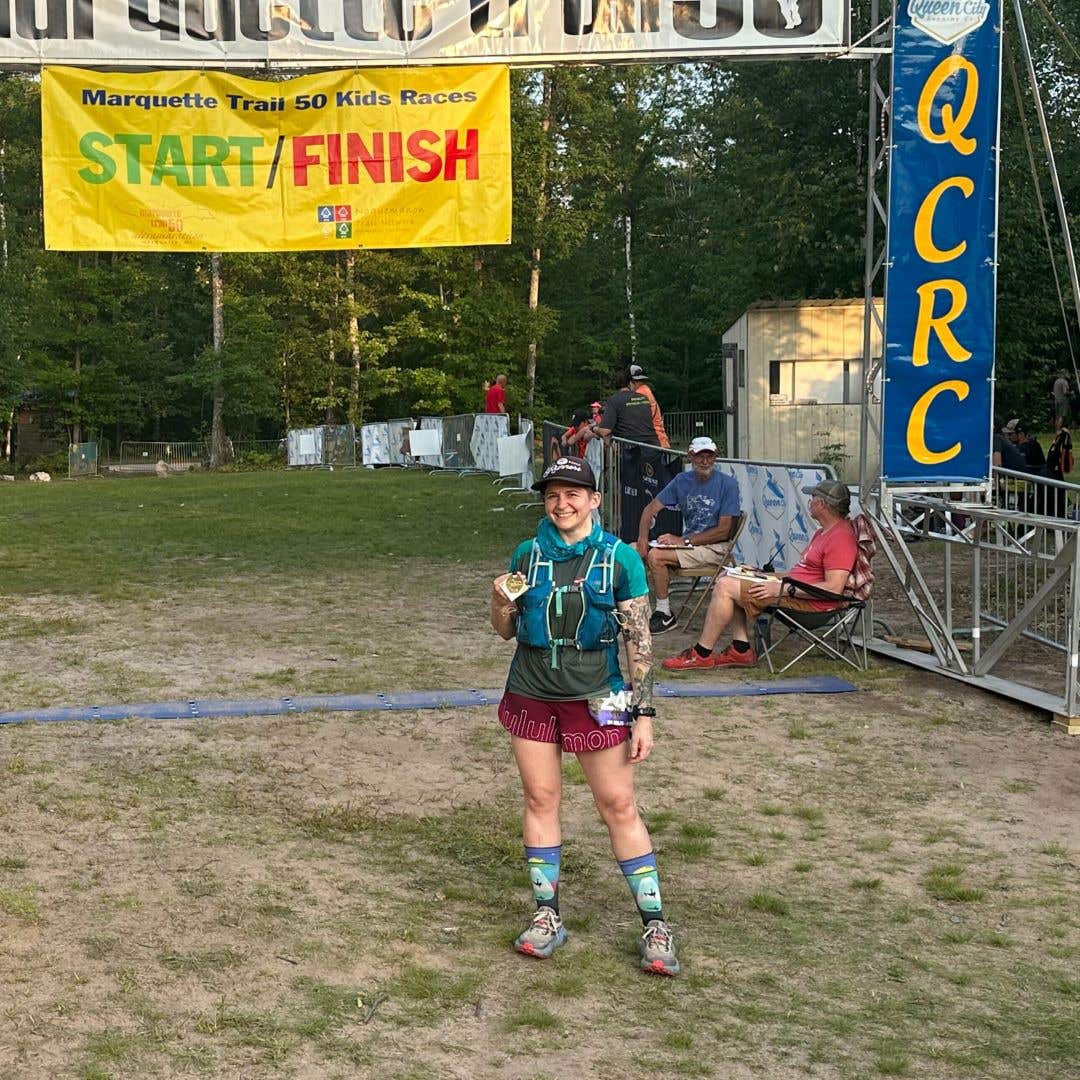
(388, 33)
(779, 526)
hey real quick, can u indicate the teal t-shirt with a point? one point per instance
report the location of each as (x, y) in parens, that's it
(581, 674)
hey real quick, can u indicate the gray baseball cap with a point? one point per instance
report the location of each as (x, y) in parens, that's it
(833, 492)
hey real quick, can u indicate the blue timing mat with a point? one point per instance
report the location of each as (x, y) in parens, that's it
(405, 702)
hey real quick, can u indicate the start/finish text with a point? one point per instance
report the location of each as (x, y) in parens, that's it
(335, 158)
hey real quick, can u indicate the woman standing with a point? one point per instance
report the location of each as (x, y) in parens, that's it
(573, 586)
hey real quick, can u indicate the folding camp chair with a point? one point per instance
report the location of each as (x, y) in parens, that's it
(830, 631)
(708, 575)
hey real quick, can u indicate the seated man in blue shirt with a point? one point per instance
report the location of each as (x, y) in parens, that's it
(709, 503)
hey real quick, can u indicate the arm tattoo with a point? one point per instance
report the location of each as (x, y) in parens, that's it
(639, 647)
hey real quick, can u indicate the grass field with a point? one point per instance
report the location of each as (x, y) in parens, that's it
(884, 883)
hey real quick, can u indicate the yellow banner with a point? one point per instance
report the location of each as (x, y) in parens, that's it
(195, 161)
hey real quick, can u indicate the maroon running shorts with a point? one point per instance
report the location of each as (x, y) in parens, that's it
(568, 723)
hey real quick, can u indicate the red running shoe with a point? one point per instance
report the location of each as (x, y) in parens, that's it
(688, 660)
(731, 657)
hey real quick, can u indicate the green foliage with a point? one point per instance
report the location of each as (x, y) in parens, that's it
(656, 202)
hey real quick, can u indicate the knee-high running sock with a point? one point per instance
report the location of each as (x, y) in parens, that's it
(643, 877)
(543, 864)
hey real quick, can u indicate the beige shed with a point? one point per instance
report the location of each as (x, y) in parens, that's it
(793, 382)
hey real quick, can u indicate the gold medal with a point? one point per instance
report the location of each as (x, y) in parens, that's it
(514, 586)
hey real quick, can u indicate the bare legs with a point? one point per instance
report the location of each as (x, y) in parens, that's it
(724, 612)
(611, 779)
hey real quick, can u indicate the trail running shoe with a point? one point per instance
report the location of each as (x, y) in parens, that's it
(661, 623)
(658, 949)
(731, 657)
(543, 936)
(688, 660)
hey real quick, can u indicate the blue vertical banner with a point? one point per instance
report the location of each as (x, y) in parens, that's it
(940, 289)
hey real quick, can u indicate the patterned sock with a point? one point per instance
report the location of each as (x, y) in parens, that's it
(543, 864)
(644, 880)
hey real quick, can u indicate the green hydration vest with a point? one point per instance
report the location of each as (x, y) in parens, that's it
(598, 626)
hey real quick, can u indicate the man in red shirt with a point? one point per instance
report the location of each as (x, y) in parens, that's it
(495, 398)
(736, 602)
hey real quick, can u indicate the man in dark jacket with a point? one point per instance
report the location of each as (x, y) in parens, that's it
(1034, 458)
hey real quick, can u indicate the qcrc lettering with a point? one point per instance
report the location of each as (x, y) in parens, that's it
(383, 157)
(941, 299)
(232, 20)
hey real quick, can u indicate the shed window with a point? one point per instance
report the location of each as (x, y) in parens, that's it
(814, 382)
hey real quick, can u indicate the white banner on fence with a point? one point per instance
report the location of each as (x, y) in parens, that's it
(779, 526)
(425, 442)
(387, 33)
(375, 444)
(304, 445)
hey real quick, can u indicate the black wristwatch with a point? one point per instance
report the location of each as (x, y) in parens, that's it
(791, 590)
(643, 710)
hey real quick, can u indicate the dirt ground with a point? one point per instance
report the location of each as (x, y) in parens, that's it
(231, 898)
(878, 883)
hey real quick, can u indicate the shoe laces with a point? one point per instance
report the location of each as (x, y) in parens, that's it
(658, 935)
(546, 921)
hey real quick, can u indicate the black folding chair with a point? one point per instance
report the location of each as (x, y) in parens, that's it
(831, 631)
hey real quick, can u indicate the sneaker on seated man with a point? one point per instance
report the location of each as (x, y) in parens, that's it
(736, 603)
(709, 503)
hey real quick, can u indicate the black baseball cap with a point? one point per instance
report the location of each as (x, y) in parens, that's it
(568, 470)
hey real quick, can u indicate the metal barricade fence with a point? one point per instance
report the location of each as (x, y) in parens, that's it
(325, 447)
(339, 445)
(457, 434)
(397, 431)
(177, 456)
(684, 426)
(771, 494)
(1005, 614)
(82, 460)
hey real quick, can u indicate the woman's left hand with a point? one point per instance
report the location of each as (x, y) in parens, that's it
(641, 740)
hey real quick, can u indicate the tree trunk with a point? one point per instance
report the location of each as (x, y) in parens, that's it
(76, 427)
(285, 386)
(217, 423)
(628, 227)
(330, 388)
(356, 417)
(547, 80)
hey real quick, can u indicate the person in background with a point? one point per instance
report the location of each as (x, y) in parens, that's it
(709, 503)
(578, 433)
(1034, 458)
(1005, 454)
(495, 398)
(1062, 394)
(637, 380)
(736, 603)
(628, 414)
